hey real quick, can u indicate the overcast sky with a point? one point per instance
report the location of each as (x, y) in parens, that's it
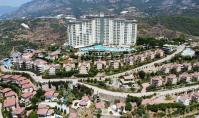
(12, 2)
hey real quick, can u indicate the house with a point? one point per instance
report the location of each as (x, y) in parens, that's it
(54, 55)
(195, 76)
(40, 66)
(6, 77)
(166, 68)
(10, 94)
(100, 64)
(69, 66)
(156, 81)
(177, 67)
(84, 67)
(196, 64)
(18, 112)
(85, 102)
(14, 78)
(131, 60)
(23, 82)
(126, 80)
(28, 88)
(10, 104)
(114, 64)
(44, 111)
(4, 91)
(20, 79)
(172, 78)
(195, 96)
(159, 53)
(185, 100)
(118, 107)
(141, 57)
(53, 68)
(185, 77)
(51, 95)
(188, 66)
(25, 98)
(100, 105)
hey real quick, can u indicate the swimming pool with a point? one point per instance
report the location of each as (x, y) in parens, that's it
(102, 48)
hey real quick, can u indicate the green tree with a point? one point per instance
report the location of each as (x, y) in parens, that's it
(128, 106)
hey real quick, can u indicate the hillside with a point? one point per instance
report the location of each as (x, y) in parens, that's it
(37, 8)
(187, 25)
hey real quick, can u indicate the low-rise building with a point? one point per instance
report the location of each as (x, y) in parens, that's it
(177, 67)
(40, 66)
(69, 66)
(114, 64)
(28, 88)
(10, 94)
(51, 95)
(10, 104)
(188, 66)
(18, 112)
(53, 68)
(26, 97)
(84, 67)
(185, 77)
(4, 91)
(100, 64)
(172, 78)
(185, 100)
(44, 111)
(156, 81)
(195, 76)
(126, 80)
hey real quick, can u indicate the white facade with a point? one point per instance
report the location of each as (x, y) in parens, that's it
(103, 30)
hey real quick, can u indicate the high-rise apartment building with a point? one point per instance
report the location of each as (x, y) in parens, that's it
(102, 29)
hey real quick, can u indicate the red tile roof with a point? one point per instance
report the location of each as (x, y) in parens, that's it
(5, 90)
(42, 111)
(6, 76)
(25, 86)
(27, 95)
(100, 105)
(9, 102)
(49, 93)
(18, 111)
(10, 93)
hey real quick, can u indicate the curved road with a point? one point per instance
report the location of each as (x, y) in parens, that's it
(119, 94)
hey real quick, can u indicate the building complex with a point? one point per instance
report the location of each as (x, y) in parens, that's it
(106, 30)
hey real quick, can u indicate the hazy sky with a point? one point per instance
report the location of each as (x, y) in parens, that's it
(12, 2)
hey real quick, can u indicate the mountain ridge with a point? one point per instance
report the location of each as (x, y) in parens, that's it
(38, 8)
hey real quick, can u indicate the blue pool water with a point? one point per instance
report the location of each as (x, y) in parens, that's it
(102, 48)
(7, 63)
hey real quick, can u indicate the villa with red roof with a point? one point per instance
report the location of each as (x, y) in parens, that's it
(18, 112)
(10, 94)
(28, 88)
(10, 103)
(45, 111)
(51, 95)
(25, 98)
(4, 91)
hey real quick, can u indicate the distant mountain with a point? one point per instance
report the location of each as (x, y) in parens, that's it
(7, 9)
(78, 7)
